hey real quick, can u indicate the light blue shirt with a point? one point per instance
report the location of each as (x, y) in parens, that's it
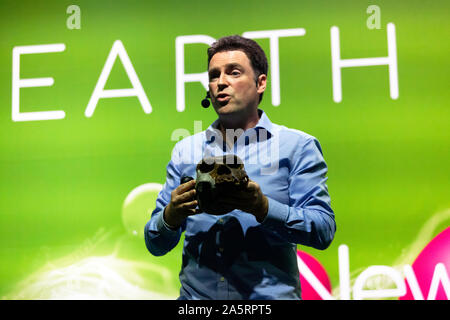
(232, 256)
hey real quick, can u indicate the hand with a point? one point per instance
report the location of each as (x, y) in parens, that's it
(250, 200)
(182, 204)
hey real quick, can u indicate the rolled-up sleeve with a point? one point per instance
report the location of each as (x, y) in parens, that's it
(308, 218)
(159, 238)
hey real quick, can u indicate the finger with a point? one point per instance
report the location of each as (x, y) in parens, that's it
(190, 205)
(185, 186)
(191, 212)
(186, 196)
(251, 186)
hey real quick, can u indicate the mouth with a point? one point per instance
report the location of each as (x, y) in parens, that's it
(223, 98)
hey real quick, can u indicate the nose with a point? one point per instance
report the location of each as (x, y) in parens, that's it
(222, 81)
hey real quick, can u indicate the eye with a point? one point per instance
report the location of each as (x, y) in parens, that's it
(235, 73)
(212, 76)
(204, 167)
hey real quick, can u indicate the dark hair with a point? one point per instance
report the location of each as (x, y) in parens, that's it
(251, 49)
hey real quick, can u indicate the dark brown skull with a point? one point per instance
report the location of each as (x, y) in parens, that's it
(218, 175)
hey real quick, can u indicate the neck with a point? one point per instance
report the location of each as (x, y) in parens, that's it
(239, 121)
(233, 125)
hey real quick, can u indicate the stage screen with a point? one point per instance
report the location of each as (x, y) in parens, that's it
(95, 94)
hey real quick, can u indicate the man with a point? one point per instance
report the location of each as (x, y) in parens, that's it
(250, 252)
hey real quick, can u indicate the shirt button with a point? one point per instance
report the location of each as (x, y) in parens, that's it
(222, 279)
(220, 220)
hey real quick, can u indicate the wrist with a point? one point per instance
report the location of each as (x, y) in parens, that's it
(168, 220)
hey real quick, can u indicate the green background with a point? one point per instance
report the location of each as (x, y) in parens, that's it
(63, 182)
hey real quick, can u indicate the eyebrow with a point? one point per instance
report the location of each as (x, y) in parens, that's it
(228, 66)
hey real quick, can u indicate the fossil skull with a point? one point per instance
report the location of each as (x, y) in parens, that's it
(218, 175)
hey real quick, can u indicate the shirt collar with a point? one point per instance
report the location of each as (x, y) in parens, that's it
(263, 123)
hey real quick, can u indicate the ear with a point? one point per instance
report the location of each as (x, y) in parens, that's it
(261, 83)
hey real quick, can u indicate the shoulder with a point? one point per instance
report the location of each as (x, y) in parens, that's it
(292, 136)
(297, 144)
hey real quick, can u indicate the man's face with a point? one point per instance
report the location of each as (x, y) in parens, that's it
(232, 84)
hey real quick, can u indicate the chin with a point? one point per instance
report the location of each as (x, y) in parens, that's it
(225, 109)
(229, 109)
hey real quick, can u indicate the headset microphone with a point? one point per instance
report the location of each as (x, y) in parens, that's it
(205, 102)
